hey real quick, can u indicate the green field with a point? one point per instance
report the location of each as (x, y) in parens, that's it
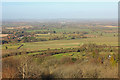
(55, 44)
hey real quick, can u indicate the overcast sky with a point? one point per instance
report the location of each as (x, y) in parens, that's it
(58, 10)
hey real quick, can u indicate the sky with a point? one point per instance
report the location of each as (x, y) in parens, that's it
(59, 10)
(59, 0)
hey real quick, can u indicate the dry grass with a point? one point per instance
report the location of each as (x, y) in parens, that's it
(9, 72)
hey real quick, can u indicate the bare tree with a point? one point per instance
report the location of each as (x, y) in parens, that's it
(23, 67)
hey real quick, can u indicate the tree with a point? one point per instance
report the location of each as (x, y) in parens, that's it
(54, 31)
(6, 47)
(25, 66)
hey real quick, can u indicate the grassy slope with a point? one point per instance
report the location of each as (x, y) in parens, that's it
(113, 41)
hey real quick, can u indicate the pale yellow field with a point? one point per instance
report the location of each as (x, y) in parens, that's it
(110, 26)
(3, 35)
